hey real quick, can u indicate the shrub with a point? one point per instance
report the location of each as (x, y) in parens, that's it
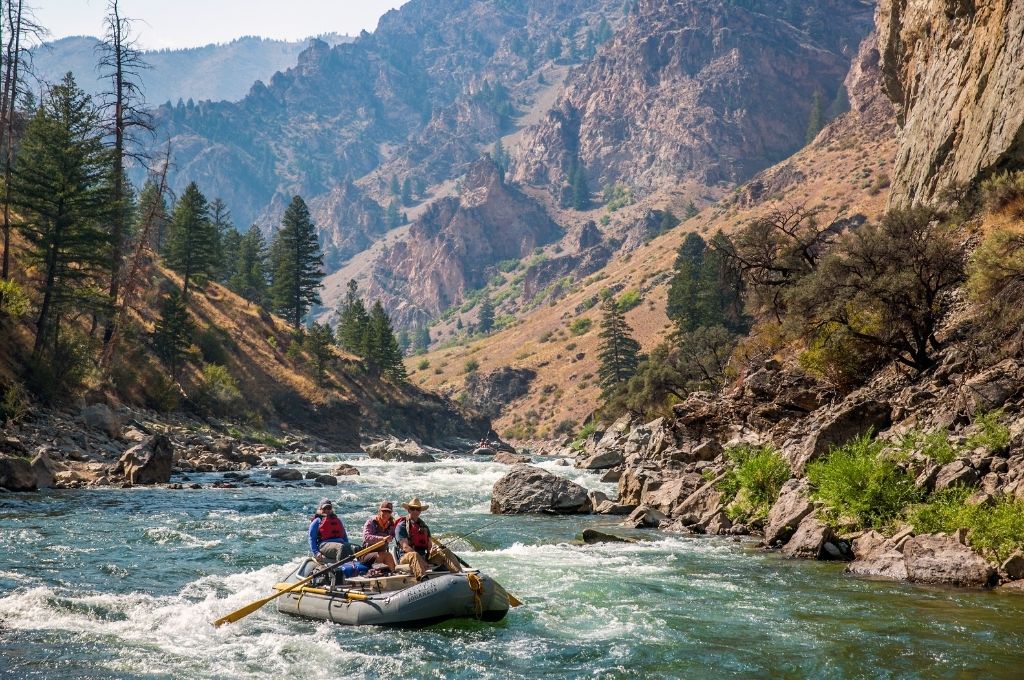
(617, 196)
(581, 436)
(628, 300)
(1002, 189)
(753, 482)
(13, 404)
(990, 435)
(209, 343)
(59, 375)
(423, 365)
(996, 278)
(14, 300)
(581, 325)
(837, 357)
(933, 444)
(995, 530)
(471, 366)
(507, 265)
(217, 391)
(859, 487)
(564, 427)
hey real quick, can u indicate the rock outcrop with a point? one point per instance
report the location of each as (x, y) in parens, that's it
(16, 474)
(490, 393)
(527, 489)
(147, 463)
(952, 69)
(400, 451)
(944, 560)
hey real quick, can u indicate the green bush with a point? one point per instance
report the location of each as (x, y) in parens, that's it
(628, 300)
(752, 483)
(1002, 189)
(507, 265)
(581, 325)
(218, 392)
(933, 444)
(994, 530)
(210, 343)
(471, 366)
(581, 436)
(617, 196)
(57, 376)
(565, 427)
(13, 404)
(991, 435)
(860, 488)
(423, 365)
(14, 300)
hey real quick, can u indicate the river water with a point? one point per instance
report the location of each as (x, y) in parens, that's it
(122, 583)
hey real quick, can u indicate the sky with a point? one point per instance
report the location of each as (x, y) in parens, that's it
(190, 23)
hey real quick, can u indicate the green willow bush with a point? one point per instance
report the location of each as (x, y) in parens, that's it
(859, 487)
(753, 482)
(995, 530)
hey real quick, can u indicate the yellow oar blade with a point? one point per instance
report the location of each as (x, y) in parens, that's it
(513, 601)
(253, 606)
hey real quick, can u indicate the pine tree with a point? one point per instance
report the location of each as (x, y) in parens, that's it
(228, 240)
(407, 191)
(382, 347)
(501, 159)
(173, 332)
(404, 341)
(396, 188)
(422, 339)
(619, 353)
(815, 120)
(318, 341)
(298, 264)
(352, 322)
(486, 320)
(61, 188)
(394, 217)
(580, 190)
(191, 244)
(250, 272)
(683, 291)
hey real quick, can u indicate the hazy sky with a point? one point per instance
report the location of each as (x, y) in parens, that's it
(188, 23)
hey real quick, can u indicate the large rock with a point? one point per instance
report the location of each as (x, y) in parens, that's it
(874, 555)
(17, 474)
(851, 418)
(810, 541)
(941, 559)
(596, 536)
(344, 469)
(702, 503)
(644, 517)
(666, 495)
(400, 451)
(530, 489)
(991, 388)
(510, 458)
(285, 474)
(952, 69)
(603, 459)
(45, 470)
(787, 513)
(957, 473)
(101, 417)
(149, 462)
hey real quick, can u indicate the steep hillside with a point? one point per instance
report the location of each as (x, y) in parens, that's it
(710, 91)
(953, 71)
(216, 72)
(845, 170)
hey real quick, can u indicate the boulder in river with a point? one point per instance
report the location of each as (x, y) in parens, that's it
(810, 539)
(147, 463)
(16, 474)
(787, 512)
(344, 469)
(45, 470)
(326, 480)
(645, 517)
(401, 451)
(286, 474)
(933, 558)
(603, 459)
(528, 489)
(510, 458)
(595, 536)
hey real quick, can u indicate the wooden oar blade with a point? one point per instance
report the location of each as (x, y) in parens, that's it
(243, 612)
(513, 601)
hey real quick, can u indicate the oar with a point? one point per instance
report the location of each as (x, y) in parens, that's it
(253, 606)
(513, 601)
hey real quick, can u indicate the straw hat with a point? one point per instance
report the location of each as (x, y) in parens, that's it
(415, 504)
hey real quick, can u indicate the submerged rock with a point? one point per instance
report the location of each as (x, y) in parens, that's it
(286, 474)
(595, 536)
(528, 489)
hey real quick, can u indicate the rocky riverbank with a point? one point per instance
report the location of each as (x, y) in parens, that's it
(670, 471)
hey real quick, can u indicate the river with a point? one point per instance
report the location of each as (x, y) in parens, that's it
(122, 583)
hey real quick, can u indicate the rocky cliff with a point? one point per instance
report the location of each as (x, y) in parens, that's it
(953, 71)
(448, 250)
(708, 91)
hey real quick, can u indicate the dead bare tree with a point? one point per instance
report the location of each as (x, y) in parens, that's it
(122, 64)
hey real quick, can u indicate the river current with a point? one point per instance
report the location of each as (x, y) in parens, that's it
(123, 583)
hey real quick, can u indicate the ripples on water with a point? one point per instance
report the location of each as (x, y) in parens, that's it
(116, 583)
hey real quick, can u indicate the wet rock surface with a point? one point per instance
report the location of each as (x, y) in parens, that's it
(529, 489)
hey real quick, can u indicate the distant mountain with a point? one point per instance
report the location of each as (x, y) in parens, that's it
(216, 72)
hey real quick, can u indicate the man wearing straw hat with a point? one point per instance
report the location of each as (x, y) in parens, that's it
(418, 551)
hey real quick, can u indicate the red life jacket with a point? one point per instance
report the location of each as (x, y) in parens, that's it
(418, 536)
(331, 528)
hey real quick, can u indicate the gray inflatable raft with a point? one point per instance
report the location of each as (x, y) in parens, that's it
(397, 600)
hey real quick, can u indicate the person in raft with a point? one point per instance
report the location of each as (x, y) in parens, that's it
(381, 527)
(415, 545)
(328, 540)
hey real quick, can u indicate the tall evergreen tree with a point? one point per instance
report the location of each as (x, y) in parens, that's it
(816, 118)
(619, 353)
(501, 158)
(250, 272)
(228, 241)
(394, 216)
(352, 322)
(319, 341)
(173, 332)
(580, 190)
(298, 264)
(382, 347)
(407, 191)
(61, 188)
(191, 244)
(486, 320)
(421, 341)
